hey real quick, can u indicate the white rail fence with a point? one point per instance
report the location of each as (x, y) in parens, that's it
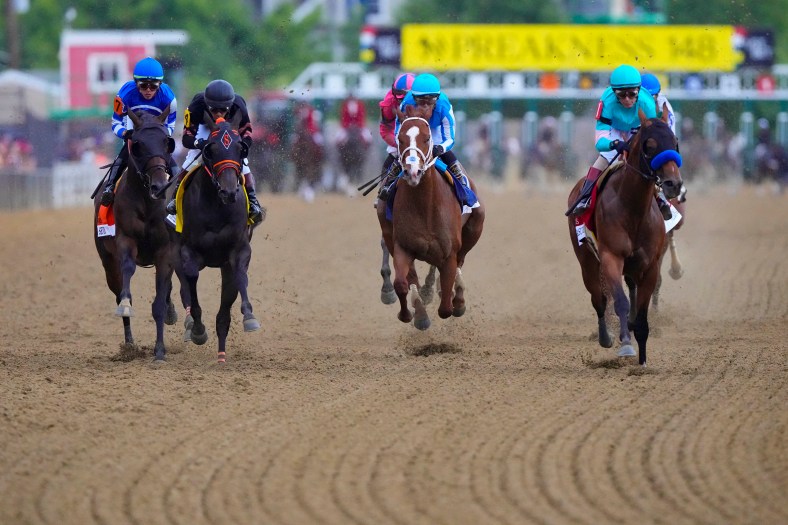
(65, 185)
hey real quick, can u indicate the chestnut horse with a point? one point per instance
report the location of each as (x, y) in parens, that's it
(676, 270)
(630, 232)
(427, 225)
(215, 232)
(141, 236)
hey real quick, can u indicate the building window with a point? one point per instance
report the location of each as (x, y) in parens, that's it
(106, 71)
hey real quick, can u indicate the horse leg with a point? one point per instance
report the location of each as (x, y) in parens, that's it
(241, 281)
(171, 316)
(421, 319)
(591, 278)
(612, 269)
(387, 295)
(458, 303)
(114, 282)
(676, 271)
(127, 268)
(402, 267)
(229, 294)
(159, 306)
(191, 273)
(633, 293)
(427, 290)
(471, 232)
(186, 301)
(640, 326)
(447, 275)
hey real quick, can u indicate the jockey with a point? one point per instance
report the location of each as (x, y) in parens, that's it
(219, 100)
(352, 114)
(617, 120)
(148, 93)
(651, 84)
(426, 93)
(388, 118)
(306, 119)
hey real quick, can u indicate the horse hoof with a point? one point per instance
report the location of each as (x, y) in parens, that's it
(406, 317)
(676, 274)
(626, 351)
(606, 343)
(199, 339)
(389, 297)
(458, 312)
(251, 325)
(422, 324)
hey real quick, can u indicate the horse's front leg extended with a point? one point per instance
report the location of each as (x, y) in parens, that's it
(611, 271)
(241, 281)
(402, 266)
(159, 306)
(387, 295)
(229, 293)
(191, 264)
(127, 252)
(448, 272)
(676, 271)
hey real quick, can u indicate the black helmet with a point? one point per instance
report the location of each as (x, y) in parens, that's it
(219, 94)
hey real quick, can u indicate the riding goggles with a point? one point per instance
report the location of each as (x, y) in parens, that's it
(150, 85)
(218, 109)
(399, 93)
(626, 93)
(426, 98)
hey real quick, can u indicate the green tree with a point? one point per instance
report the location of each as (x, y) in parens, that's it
(482, 11)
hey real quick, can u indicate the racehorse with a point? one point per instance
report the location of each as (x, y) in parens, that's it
(215, 231)
(427, 224)
(630, 232)
(141, 237)
(307, 156)
(352, 149)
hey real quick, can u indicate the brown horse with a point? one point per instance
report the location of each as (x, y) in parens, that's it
(630, 233)
(352, 150)
(427, 225)
(141, 236)
(676, 270)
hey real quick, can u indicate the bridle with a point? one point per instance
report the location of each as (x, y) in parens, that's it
(416, 156)
(145, 174)
(653, 164)
(215, 169)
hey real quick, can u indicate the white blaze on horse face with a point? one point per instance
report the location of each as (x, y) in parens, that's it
(412, 161)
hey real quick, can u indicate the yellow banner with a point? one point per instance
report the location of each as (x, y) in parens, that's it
(472, 47)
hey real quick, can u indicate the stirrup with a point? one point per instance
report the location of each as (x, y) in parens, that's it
(580, 208)
(107, 196)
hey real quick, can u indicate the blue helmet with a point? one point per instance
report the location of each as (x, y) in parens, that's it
(624, 76)
(650, 83)
(425, 84)
(148, 69)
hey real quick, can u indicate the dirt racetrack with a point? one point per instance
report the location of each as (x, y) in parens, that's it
(337, 413)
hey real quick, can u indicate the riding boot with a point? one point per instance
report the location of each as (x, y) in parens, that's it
(171, 206)
(108, 195)
(664, 206)
(256, 212)
(458, 172)
(389, 176)
(584, 200)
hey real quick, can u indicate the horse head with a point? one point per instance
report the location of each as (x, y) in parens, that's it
(150, 150)
(414, 144)
(656, 149)
(223, 157)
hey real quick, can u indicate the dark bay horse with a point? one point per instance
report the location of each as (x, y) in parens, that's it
(215, 231)
(352, 149)
(630, 233)
(141, 237)
(676, 270)
(307, 156)
(427, 225)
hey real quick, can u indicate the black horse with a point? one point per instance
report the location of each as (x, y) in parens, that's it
(141, 237)
(215, 232)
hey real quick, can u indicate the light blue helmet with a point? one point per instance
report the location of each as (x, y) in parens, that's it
(650, 83)
(425, 84)
(624, 76)
(148, 69)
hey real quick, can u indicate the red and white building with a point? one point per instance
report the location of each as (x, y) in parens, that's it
(95, 63)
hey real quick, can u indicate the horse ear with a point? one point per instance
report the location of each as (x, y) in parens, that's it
(207, 119)
(164, 115)
(236, 120)
(642, 116)
(399, 113)
(135, 119)
(170, 145)
(665, 116)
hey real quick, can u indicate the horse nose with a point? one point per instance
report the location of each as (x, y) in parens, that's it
(157, 190)
(672, 188)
